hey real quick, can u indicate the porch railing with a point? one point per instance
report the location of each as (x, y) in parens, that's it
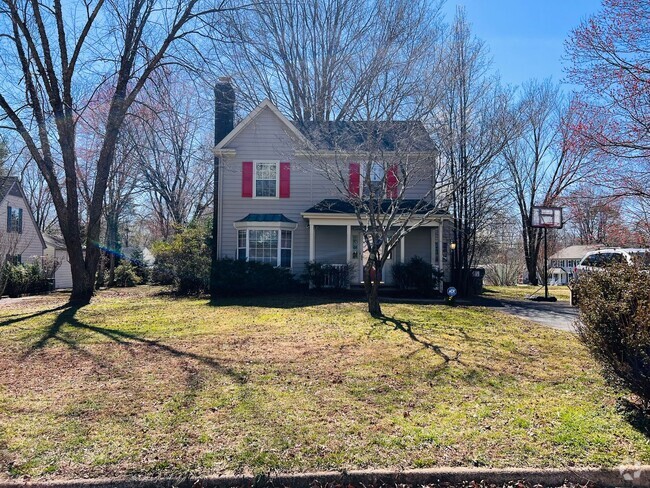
(336, 276)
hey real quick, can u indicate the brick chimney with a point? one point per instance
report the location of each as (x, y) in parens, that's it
(224, 118)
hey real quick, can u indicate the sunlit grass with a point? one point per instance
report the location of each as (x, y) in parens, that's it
(140, 383)
(519, 292)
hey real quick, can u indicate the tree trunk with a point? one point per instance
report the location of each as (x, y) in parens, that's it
(83, 282)
(372, 288)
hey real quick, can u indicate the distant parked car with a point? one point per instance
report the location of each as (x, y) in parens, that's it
(600, 259)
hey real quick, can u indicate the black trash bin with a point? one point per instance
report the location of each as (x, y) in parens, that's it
(477, 280)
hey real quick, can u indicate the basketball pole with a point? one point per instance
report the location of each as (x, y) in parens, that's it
(545, 266)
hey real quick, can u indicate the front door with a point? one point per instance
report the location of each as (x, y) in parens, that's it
(358, 242)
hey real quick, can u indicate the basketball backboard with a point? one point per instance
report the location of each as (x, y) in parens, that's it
(546, 217)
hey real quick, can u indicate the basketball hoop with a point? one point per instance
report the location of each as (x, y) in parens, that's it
(546, 217)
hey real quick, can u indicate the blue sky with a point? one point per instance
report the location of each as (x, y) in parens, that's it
(525, 37)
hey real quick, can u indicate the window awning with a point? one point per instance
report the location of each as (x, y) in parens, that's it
(267, 218)
(271, 220)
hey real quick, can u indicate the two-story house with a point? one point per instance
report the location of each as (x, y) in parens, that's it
(277, 205)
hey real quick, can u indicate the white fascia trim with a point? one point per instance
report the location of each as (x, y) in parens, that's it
(251, 116)
(265, 225)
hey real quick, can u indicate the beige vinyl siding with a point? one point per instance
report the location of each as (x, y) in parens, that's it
(265, 138)
(29, 245)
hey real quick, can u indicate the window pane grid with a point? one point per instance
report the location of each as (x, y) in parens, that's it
(263, 246)
(266, 175)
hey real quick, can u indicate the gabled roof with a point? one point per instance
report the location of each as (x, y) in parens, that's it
(337, 206)
(6, 185)
(54, 242)
(348, 136)
(575, 252)
(404, 135)
(266, 104)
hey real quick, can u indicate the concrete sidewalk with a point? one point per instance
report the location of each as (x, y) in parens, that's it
(624, 476)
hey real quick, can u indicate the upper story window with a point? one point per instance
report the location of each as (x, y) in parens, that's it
(374, 179)
(376, 174)
(14, 220)
(266, 179)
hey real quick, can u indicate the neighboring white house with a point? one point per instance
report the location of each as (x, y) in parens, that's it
(20, 239)
(563, 262)
(55, 248)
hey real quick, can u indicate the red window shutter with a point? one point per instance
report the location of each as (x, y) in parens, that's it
(247, 179)
(285, 180)
(391, 182)
(355, 179)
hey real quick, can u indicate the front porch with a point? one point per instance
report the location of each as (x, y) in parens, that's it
(337, 241)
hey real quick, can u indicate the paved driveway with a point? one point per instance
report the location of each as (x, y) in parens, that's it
(559, 315)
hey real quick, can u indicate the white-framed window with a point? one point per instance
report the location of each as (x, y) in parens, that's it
(266, 179)
(273, 246)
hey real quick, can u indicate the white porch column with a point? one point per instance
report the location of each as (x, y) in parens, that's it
(348, 240)
(440, 251)
(402, 249)
(312, 241)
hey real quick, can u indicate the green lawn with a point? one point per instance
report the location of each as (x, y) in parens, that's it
(521, 292)
(138, 383)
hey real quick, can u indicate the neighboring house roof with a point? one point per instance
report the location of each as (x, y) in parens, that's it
(54, 242)
(336, 206)
(266, 218)
(575, 252)
(352, 136)
(7, 186)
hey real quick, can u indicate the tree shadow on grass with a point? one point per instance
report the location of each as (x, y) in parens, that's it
(21, 318)
(407, 327)
(66, 319)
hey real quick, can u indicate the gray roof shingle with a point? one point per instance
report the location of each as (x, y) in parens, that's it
(266, 218)
(403, 135)
(337, 206)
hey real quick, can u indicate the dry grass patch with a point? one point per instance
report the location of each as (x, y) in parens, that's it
(139, 383)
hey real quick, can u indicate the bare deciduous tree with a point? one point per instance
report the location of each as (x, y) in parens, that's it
(385, 172)
(60, 53)
(174, 156)
(543, 160)
(471, 128)
(38, 197)
(328, 60)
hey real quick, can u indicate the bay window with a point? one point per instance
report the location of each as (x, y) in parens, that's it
(273, 246)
